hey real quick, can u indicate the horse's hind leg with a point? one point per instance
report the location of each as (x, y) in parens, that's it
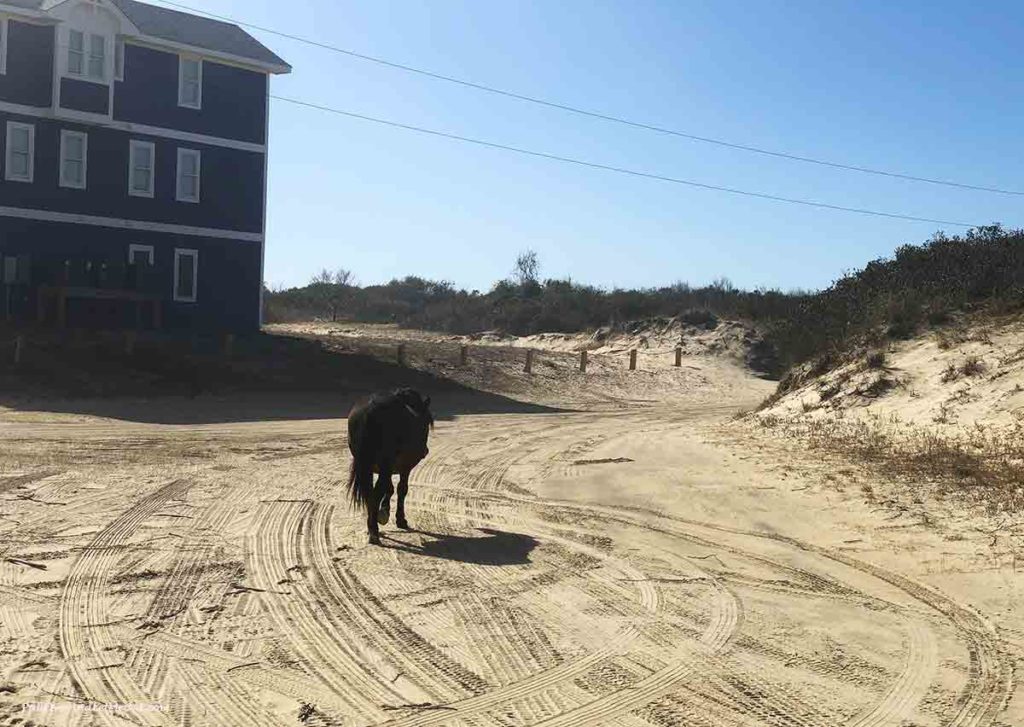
(403, 490)
(384, 510)
(380, 490)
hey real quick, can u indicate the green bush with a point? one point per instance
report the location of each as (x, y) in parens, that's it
(890, 298)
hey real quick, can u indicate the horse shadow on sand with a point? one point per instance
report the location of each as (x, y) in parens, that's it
(495, 547)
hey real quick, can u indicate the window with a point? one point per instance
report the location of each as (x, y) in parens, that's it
(74, 158)
(189, 163)
(91, 63)
(140, 254)
(119, 60)
(141, 165)
(21, 143)
(17, 270)
(97, 57)
(10, 270)
(76, 52)
(190, 82)
(3, 45)
(186, 268)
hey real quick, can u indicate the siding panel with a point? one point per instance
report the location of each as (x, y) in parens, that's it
(29, 77)
(79, 95)
(234, 105)
(229, 271)
(231, 183)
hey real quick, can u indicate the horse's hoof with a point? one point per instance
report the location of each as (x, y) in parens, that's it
(403, 524)
(374, 540)
(384, 514)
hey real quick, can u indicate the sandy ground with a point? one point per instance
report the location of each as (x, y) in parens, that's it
(624, 556)
(954, 377)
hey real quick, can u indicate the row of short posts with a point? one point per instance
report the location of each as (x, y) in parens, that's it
(527, 366)
(131, 338)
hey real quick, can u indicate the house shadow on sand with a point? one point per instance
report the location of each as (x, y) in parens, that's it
(269, 378)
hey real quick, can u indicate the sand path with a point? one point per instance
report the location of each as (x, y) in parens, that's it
(601, 567)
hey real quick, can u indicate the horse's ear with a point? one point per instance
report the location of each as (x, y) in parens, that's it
(426, 401)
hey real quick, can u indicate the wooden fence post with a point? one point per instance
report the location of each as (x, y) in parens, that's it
(401, 354)
(463, 355)
(679, 356)
(632, 360)
(19, 347)
(583, 361)
(529, 361)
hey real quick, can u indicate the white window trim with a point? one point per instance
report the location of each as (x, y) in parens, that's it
(134, 144)
(135, 247)
(11, 126)
(89, 56)
(4, 23)
(179, 252)
(199, 176)
(181, 81)
(119, 59)
(67, 54)
(64, 135)
(87, 36)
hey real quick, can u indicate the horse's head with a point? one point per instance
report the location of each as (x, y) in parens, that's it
(417, 404)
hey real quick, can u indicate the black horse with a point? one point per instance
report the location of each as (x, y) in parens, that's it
(386, 434)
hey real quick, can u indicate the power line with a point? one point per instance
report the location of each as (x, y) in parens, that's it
(619, 170)
(596, 115)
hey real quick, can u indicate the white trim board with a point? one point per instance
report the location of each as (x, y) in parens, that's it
(139, 247)
(3, 45)
(230, 59)
(28, 13)
(95, 120)
(124, 224)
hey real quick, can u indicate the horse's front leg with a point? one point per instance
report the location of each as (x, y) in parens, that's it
(380, 491)
(403, 490)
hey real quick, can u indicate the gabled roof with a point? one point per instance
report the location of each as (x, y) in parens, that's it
(182, 28)
(194, 30)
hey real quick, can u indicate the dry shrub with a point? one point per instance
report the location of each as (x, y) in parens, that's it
(875, 360)
(879, 387)
(829, 391)
(972, 366)
(982, 465)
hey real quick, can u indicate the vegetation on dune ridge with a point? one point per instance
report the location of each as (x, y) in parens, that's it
(889, 298)
(980, 465)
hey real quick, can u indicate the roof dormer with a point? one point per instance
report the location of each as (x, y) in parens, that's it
(87, 37)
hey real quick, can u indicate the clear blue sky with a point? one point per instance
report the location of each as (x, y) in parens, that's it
(931, 88)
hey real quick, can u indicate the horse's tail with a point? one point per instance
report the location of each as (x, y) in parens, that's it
(360, 476)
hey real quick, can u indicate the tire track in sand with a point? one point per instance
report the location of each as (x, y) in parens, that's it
(900, 701)
(910, 687)
(273, 551)
(990, 680)
(86, 642)
(722, 624)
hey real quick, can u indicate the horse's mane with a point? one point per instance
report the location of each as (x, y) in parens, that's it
(409, 397)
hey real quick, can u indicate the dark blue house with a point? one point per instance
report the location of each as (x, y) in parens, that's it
(133, 166)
